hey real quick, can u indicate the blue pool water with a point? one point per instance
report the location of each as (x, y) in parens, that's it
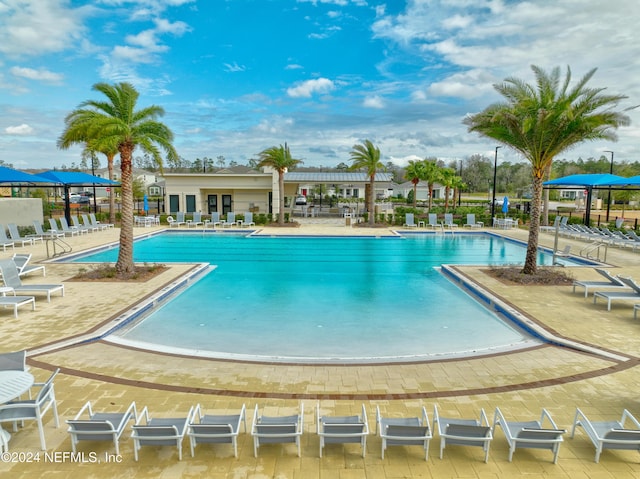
(322, 298)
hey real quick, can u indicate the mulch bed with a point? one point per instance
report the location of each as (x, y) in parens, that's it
(544, 276)
(108, 274)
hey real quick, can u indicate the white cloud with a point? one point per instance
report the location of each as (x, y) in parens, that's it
(41, 74)
(308, 88)
(373, 102)
(19, 130)
(234, 67)
(36, 27)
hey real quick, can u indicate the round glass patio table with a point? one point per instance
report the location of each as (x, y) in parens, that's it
(12, 385)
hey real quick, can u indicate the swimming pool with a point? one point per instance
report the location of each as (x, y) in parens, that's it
(323, 299)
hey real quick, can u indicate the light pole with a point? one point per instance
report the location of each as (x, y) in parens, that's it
(460, 188)
(495, 171)
(609, 195)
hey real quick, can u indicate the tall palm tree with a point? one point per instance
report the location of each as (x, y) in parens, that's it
(115, 124)
(279, 158)
(415, 173)
(449, 180)
(367, 157)
(432, 175)
(541, 121)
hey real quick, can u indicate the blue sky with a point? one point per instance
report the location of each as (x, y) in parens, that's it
(238, 76)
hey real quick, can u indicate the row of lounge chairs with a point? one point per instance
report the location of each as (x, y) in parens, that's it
(447, 221)
(628, 239)
(613, 288)
(198, 221)
(202, 428)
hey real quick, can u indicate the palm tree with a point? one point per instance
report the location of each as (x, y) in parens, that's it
(541, 121)
(115, 124)
(367, 156)
(415, 173)
(449, 180)
(279, 158)
(432, 175)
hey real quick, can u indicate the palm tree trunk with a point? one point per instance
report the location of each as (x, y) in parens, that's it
(531, 259)
(372, 211)
(281, 198)
(112, 195)
(430, 197)
(125, 265)
(415, 192)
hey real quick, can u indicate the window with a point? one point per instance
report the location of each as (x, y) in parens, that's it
(174, 204)
(191, 203)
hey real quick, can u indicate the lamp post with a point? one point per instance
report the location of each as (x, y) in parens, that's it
(609, 195)
(495, 171)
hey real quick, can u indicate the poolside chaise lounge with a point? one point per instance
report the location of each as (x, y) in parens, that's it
(80, 227)
(448, 221)
(95, 222)
(12, 279)
(342, 429)
(99, 426)
(433, 221)
(214, 221)
(229, 221)
(149, 431)
(71, 229)
(86, 223)
(54, 227)
(404, 431)
(472, 223)
(15, 236)
(16, 301)
(409, 221)
(51, 233)
(463, 432)
(531, 434)
(24, 268)
(4, 240)
(276, 429)
(196, 220)
(609, 434)
(619, 295)
(216, 429)
(611, 283)
(248, 219)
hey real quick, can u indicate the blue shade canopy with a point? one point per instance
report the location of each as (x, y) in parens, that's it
(9, 175)
(75, 178)
(593, 180)
(633, 181)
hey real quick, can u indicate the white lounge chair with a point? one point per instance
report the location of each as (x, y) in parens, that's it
(16, 301)
(149, 431)
(216, 429)
(230, 221)
(609, 434)
(24, 268)
(54, 227)
(405, 431)
(80, 227)
(51, 233)
(276, 429)
(531, 434)
(433, 221)
(611, 283)
(214, 221)
(472, 223)
(248, 219)
(619, 295)
(15, 236)
(33, 409)
(463, 432)
(95, 222)
(100, 426)
(86, 223)
(409, 221)
(4, 240)
(180, 218)
(69, 229)
(342, 429)
(196, 220)
(448, 221)
(12, 280)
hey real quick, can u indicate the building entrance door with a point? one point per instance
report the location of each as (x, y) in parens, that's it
(212, 202)
(226, 204)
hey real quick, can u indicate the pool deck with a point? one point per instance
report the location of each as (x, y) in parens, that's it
(521, 383)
